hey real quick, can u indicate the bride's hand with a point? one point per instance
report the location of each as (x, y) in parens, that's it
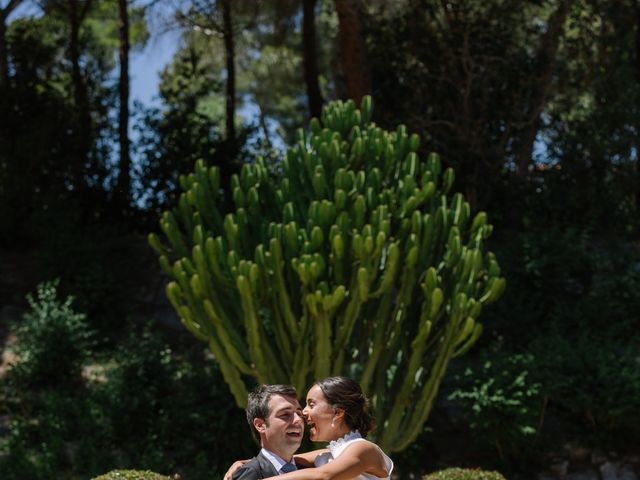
(232, 469)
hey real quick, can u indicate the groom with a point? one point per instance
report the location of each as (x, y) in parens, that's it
(275, 417)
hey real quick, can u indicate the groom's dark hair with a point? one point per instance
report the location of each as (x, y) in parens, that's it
(258, 401)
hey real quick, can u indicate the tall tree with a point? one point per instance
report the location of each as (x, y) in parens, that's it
(124, 174)
(229, 53)
(77, 13)
(4, 58)
(353, 52)
(310, 58)
(545, 64)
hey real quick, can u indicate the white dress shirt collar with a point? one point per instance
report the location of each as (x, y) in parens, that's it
(275, 460)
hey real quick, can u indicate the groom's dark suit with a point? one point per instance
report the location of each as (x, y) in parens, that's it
(256, 468)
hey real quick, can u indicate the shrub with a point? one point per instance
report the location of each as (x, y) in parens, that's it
(500, 400)
(134, 475)
(165, 408)
(52, 341)
(463, 474)
(154, 407)
(591, 379)
(98, 260)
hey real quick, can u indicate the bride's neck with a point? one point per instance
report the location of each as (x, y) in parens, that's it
(341, 431)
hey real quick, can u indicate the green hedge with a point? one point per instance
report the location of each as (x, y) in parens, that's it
(464, 474)
(134, 475)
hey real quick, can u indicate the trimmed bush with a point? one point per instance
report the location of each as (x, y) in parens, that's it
(134, 475)
(463, 474)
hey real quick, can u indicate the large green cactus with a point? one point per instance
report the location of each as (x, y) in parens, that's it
(350, 257)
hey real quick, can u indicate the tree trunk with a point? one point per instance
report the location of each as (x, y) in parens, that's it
(4, 54)
(636, 166)
(311, 58)
(227, 32)
(83, 138)
(124, 175)
(353, 55)
(546, 64)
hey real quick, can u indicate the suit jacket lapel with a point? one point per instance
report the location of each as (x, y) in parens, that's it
(266, 466)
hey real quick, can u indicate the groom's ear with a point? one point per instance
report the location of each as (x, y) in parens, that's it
(259, 424)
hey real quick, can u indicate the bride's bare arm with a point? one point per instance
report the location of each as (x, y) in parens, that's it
(306, 459)
(361, 457)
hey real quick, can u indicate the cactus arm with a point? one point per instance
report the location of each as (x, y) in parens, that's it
(281, 289)
(229, 373)
(359, 293)
(425, 402)
(213, 256)
(429, 391)
(402, 397)
(216, 313)
(378, 343)
(254, 334)
(469, 342)
(302, 362)
(283, 341)
(322, 335)
(234, 354)
(170, 228)
(193, 327)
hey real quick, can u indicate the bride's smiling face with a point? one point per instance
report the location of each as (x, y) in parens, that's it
(320, 416)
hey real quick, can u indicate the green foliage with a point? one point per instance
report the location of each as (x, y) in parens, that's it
(188, 125)
(352, 259)
(143, 405)
(53, 147)
(500, 400)
(576, 297)
(34, 119)
(168, 412)
(591, 379)
(463, 474)
(466, 56)
(51, 433)
(53, 341)
(134, 475)
(104, 264)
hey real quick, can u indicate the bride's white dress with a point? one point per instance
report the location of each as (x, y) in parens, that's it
(336, 447)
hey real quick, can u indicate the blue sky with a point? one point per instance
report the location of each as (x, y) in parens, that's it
(144, 65)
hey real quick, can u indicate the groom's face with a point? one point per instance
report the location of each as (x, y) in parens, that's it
(281, 431)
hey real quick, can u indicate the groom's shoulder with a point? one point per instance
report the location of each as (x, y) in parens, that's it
(252, 470)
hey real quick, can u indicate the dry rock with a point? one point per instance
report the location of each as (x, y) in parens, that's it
(559, 469)
(578, 453)
(586, 475)
(617, 471)
(598, 457)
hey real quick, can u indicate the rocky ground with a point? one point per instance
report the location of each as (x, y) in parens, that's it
(581, 463)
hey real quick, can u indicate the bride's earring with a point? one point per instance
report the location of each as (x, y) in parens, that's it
(333, 422)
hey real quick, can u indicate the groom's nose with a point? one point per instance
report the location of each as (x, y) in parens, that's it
(297, 417)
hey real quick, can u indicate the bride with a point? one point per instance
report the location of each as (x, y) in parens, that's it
(337, 412)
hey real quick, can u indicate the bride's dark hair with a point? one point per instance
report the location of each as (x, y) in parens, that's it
(346, 394)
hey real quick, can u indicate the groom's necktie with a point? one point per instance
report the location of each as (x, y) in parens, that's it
(288, 467)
